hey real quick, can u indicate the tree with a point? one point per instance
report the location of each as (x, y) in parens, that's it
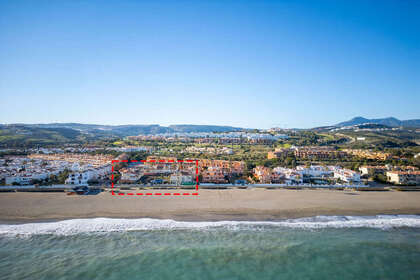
(380, 178)
(61, 178)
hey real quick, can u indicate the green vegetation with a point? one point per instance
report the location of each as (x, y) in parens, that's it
(54, 179)
(22, 136)
(380, 178)
(381, 140)
(402, 144)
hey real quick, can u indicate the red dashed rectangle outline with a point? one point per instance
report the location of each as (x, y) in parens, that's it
(146, 194)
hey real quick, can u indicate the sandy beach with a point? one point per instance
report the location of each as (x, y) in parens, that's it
(258, 204)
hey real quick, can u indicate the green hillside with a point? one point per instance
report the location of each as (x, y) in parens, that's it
(18, 136)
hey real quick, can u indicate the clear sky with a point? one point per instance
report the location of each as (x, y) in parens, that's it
(242, 63)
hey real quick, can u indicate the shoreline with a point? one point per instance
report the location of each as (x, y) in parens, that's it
(210, 205)
(215, 217)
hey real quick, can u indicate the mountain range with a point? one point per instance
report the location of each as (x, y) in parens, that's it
(391, 121)
(30, 135)
(127, 130)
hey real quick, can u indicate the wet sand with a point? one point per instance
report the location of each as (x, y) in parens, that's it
(209, 205)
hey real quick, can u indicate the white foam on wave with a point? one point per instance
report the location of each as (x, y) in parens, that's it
(103, 225)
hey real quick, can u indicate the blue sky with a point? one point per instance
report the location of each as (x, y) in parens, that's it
(242, 63)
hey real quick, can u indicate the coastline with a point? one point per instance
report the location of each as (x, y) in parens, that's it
(210, 205)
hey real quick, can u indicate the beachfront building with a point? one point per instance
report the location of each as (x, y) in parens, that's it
(301, 174)
(289, 175)
(213, 175)
(404, 177)
(315, 171)
(40, 168)
(226, 166)
(19, 180)
(78, 178)
(347, 175)
(263, 174)
(372, 170)
(181, 179)
(29, 177)
(87, 173)
(383, 169)
(130, 175)
(25, 171)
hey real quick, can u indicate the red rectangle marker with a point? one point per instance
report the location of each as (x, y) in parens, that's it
(155, 194)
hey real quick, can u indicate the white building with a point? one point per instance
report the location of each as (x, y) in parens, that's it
(18, 179)
(291, 176)
(181, 179)
(131, 149)
(404, 177)
(87, 173)
(130, 177)
(347, 175)
(315, 171)
(78, 178)
(24, 171)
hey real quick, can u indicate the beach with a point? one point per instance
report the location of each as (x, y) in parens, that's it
(219, 234)
(209, 205)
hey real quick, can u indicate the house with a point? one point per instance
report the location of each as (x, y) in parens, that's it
(78, 178)
(130, 176)
(213, 175)
(404, 177)
(371, 170)
(226, 166)
(347, 175)
(315, 171)
(88, 173)
(318, 153)
(290, 176)
(180, 179)
(263, 174)
(18, 179)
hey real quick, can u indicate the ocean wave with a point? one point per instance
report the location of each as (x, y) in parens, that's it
(104, 225)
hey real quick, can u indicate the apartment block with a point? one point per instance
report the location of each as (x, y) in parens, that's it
(368, 154)
(279, 153)
(318, 153)
(404, 177)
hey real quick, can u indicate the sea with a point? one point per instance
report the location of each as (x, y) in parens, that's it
(322, 247)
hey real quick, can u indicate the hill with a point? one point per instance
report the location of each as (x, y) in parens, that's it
(23, 136)
(391, 121)
(30, 135)
(202, 128)
(131, 130)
